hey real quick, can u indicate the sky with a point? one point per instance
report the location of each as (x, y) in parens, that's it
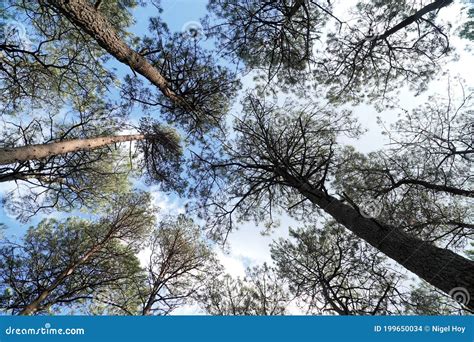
(247, 246)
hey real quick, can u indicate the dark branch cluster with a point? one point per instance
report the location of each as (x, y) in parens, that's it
(274, 36)
(192, 74)
(162, 154)
(276, 149)
(261, 292)
(372, 49)
(424, 180)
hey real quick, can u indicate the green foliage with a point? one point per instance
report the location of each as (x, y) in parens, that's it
(246, 181)
(362, 54)
(423, 181)
(74, 260)
(467, 31)
(192, 73)
(260, 293)
(178, 263)
(425, 300)
(162, 155)
(333, 271)
(278, 37)
(54, 86)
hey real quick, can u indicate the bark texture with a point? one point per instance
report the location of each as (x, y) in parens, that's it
(41, 151)
(442, 268)
(89, 19)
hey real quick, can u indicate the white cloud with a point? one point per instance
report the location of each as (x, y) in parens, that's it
(167, 205)
(233, 264)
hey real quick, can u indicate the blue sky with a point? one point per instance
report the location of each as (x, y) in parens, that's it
(176, 13)
(248, 247)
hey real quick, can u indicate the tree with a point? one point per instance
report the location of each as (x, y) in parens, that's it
(374, 48)
(260, 293)
(61, 263)
(425, 300)
(194, 75)
(274, 36)
(178, 98)
(279, 165)
(467, 31)
(178, 262)
(390, 45)
(411, 202)
(422, 182)
(45, 60)
(333, 271)
(54, 88)
(81, 74)
(59, 180)
(75, 168)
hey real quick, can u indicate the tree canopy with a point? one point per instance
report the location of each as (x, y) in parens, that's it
(254, 116)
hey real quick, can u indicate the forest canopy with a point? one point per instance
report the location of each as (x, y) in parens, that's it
(236, 157)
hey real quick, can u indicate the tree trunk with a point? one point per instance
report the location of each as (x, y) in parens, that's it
(436, 5)
(35, 304)
(149, 304)
(442, 268)
(85, 16)
(40, 151)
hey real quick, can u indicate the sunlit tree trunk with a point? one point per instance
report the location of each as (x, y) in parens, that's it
(83, 14)
(41, 151)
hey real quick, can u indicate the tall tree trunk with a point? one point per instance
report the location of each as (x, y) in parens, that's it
(440, 267)
(83, 14)
(40, 151)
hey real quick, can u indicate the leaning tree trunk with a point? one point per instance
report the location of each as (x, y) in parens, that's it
(432, 7)
(34, 306)
(83, 14)
(442, 268)
(41, 151)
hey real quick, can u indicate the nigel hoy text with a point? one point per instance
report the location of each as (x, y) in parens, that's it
(448, 328)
